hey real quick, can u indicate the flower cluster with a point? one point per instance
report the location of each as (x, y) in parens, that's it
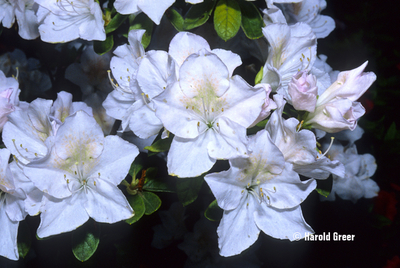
(192, 100)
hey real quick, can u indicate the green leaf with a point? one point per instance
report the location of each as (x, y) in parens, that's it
(227, 19)
(188, 189)
(115, 22)
(175, 18)
(252, 21)
(156, 184)
(151, 201)
(213, 212)
(136, 167)
(324, 187)
(85, 241)
(102, 47)
(259, 76)
(141, 21)
(138, 207)
(24, 239)
(166, 185)
(262, 124)
(198, 14)
(160, 145)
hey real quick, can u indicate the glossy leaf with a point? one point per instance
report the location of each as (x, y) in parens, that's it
(166, 185)
(213, 212)
(85, 241)
(151, 201)
(141, 21)
(115, 22)
(188, 189)
(102, 47)
(259, 76)
(160, 145)
(252, 21)
(137, 204)
(227, 19)
(175, 18)
(136, 167)
(198, 14)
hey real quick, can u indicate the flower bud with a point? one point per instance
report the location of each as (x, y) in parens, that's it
(303, 90)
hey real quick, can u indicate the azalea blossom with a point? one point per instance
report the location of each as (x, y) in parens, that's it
(308, 11)
(11, 207)
(65, 20)
(141, 77)
(24, 11)
(299, 147)
(356, 182)
(259, 193)
(293, 49)
(336, 108)
(203, 109)
(80, 176)
(9, 101)
(303, 90)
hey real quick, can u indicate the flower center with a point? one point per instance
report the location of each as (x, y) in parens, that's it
(80, 181)
(261, 194)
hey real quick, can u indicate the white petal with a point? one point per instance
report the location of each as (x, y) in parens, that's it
(155, 9)
(106, 203)
(282, 224)
(230, 59)
(242, 97)
(237, 230)
(79, 137)
(115, 160)
(203, 74)
(184, 44)
(228, 142)
(62, 215)
(144, 122)
(189, 158)
(8, 234)
(227, 189)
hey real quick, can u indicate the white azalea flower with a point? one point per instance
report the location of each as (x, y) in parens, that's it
(293, 49)
(356, 182)
(24, 11)
(203, 109)
(64, 20)
(9, 101)
(336, 108)
(141, 77)
(300, 147)
(80, 176)
(26, 131)
(11, 207)
(308, 11)
(259, 193)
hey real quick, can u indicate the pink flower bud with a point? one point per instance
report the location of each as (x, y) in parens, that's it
(303, 90)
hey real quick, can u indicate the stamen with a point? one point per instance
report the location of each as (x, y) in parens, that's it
(145, 101)
(330, 145)
(16, 148)
(299, 125)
